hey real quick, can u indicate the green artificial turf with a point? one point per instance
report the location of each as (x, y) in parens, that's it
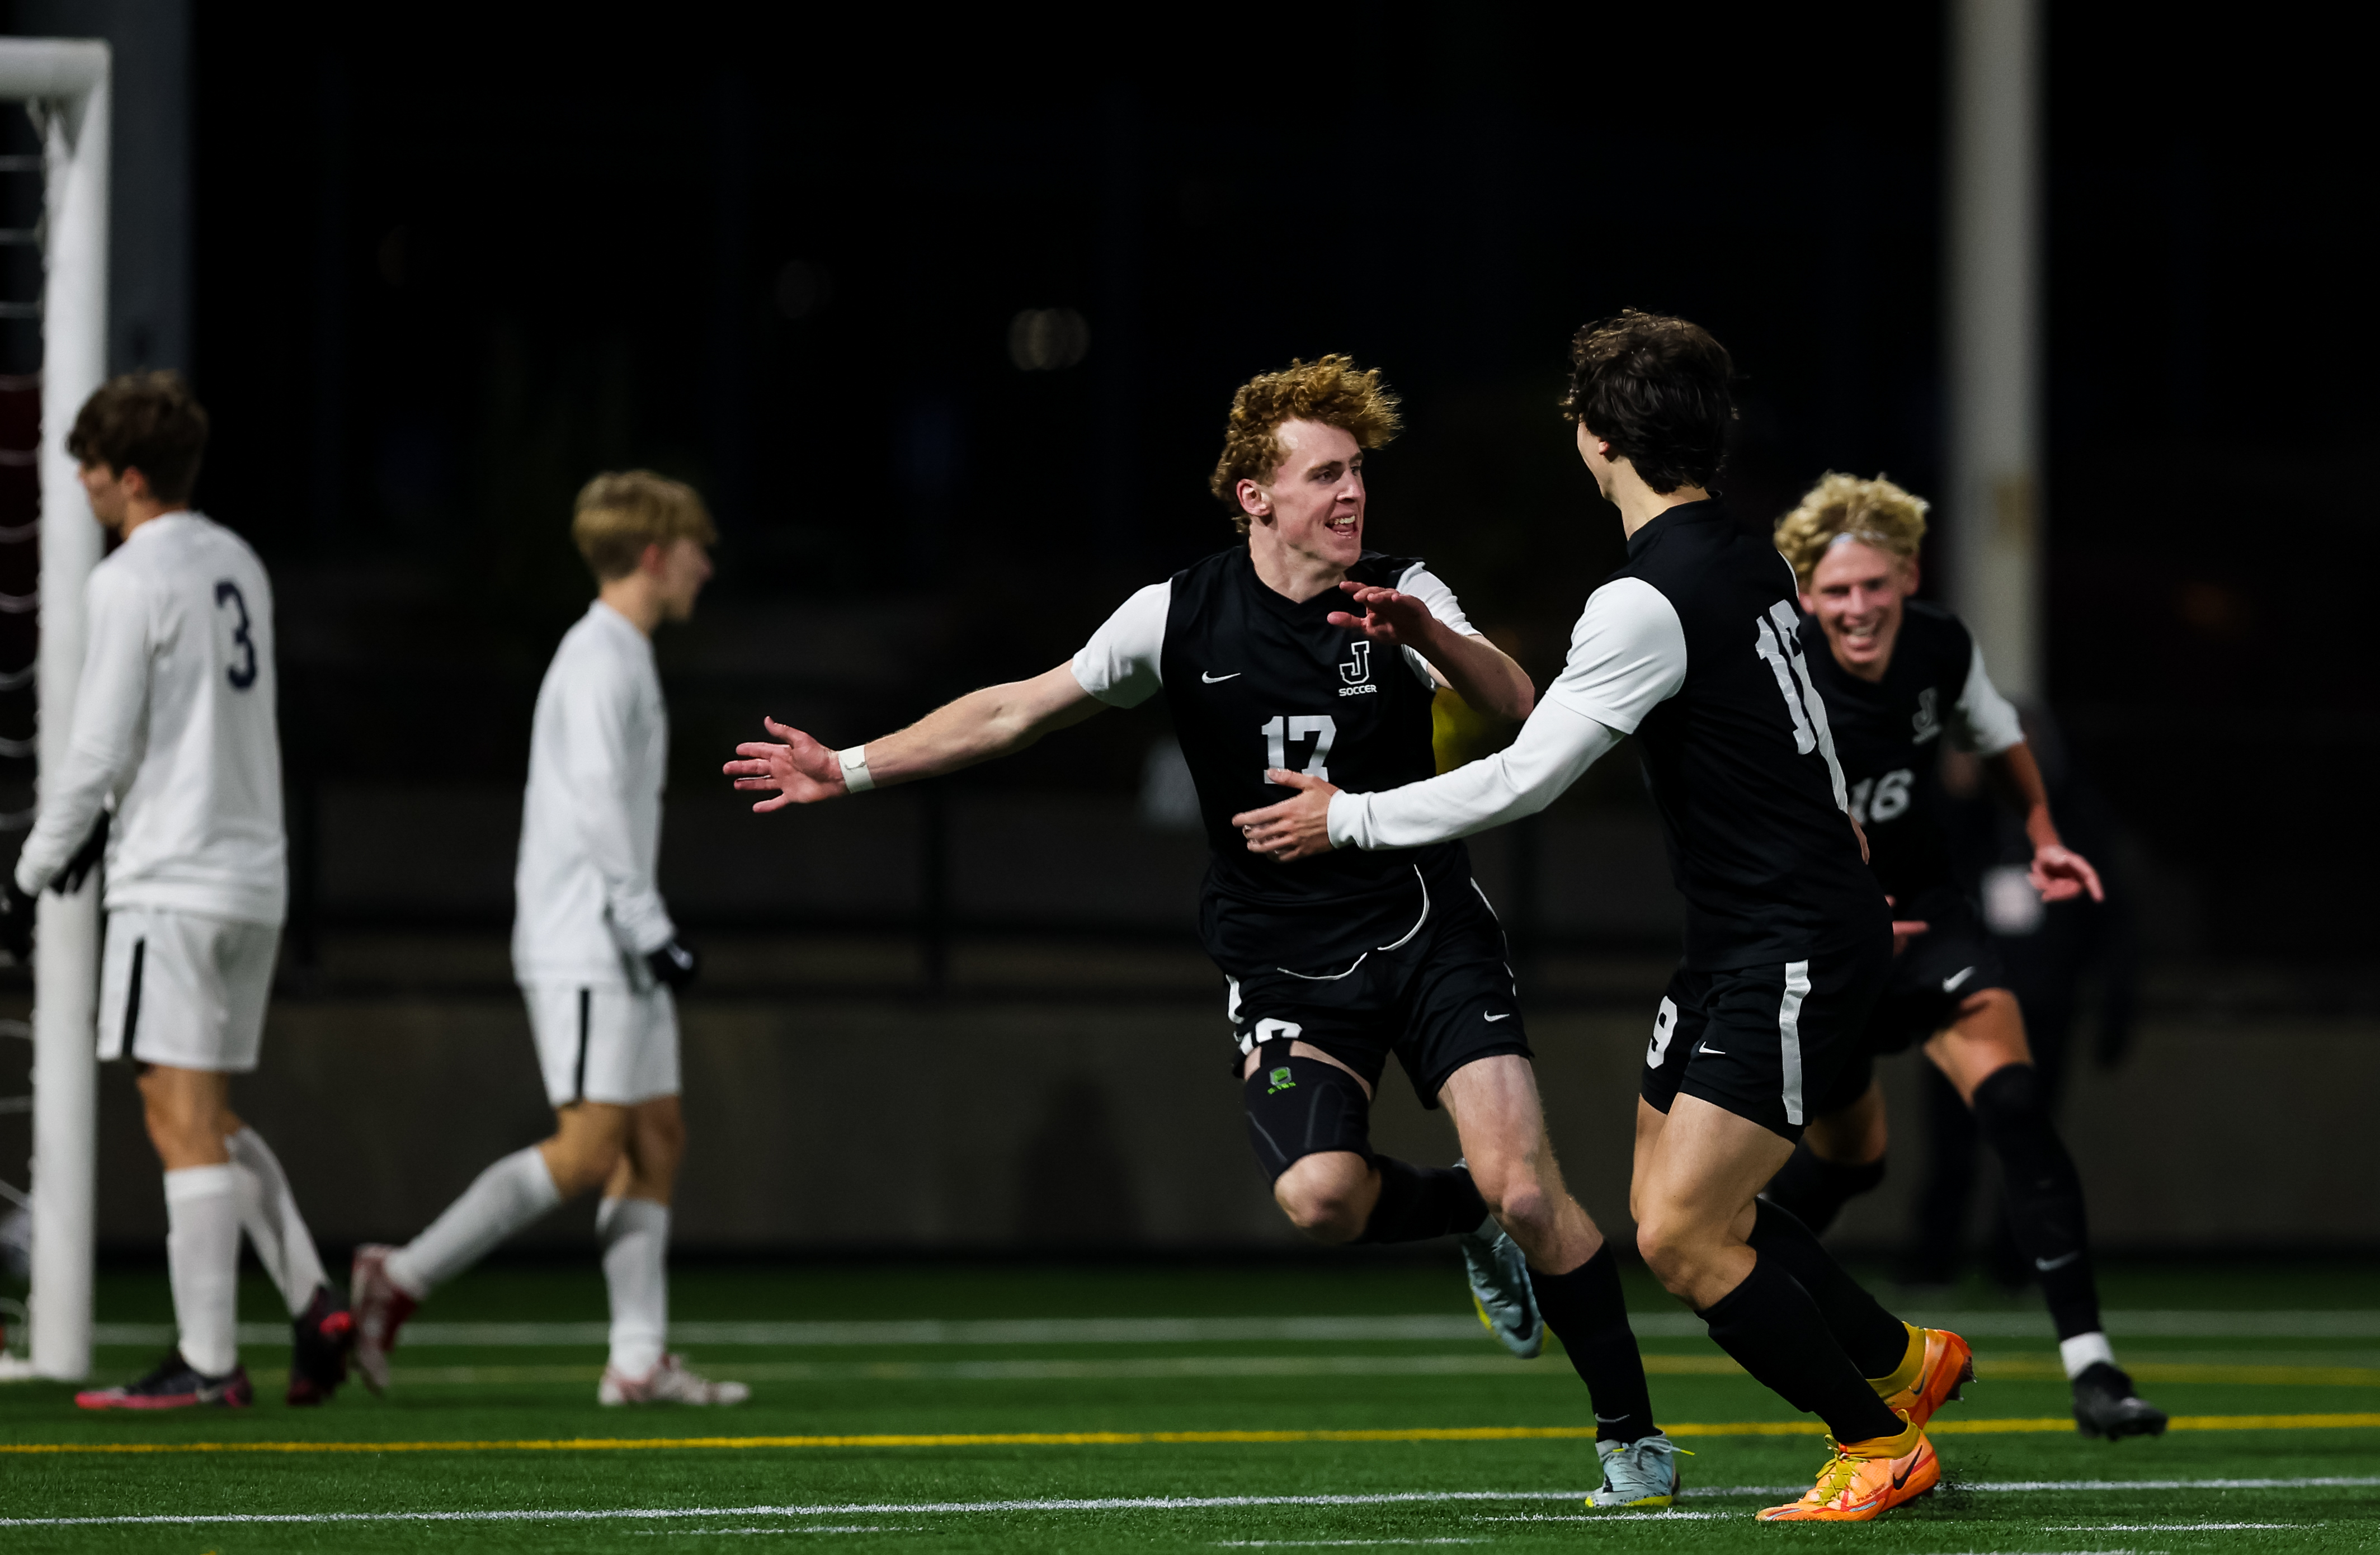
(1507, 1495)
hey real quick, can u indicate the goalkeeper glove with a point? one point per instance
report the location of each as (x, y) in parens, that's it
(674, 966)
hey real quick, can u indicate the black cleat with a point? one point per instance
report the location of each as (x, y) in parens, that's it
(2104, 1405)
(321, 1338)
(173, 1386)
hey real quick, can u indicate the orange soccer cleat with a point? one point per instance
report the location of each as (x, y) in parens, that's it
(1862, 1479)
(1939, 1366)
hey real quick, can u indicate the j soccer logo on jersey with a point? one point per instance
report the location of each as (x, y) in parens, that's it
(1357, 671)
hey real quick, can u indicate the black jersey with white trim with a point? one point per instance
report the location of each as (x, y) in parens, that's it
(1739, 756)
(1889, 736)
(1256, 680)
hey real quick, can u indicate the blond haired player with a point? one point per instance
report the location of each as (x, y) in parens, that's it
(175, 728)
(1901, 679)
(597, 958)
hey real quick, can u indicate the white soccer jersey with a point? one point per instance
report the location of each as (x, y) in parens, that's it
(585, 909)
(173, 721)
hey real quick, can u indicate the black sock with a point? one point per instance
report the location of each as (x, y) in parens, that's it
(1588, 1314)
(1817, 1190)
(2045, 1194)
(1872, 1337)
(1419, 1202)
(1772, 1328)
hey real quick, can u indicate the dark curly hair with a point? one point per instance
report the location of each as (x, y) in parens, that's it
(148, 421)
(1331, 389)
(1654, 388)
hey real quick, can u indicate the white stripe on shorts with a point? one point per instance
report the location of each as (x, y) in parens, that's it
(1788, 1036)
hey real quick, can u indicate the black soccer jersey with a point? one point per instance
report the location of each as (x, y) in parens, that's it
(1695, 648)
(1253, 681)
(1738, 756)
(1888, 737)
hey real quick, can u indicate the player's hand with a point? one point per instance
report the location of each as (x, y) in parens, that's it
(802, 770)
(2060, 874)
(86, 858)
(1398, 620)
(17, 921)
(1905, 929)
(1299, 827)
(673, 965)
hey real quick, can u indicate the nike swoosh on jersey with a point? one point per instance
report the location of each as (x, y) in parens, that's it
(1951, 984)
(1218, 679)
(1715, 1053)
(2049, 1265)
(1506, 1015)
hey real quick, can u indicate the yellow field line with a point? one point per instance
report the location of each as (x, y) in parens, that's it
(1150, 1439)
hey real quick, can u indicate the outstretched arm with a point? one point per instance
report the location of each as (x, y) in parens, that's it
(2060, 873)
(1481, 674)
(1555, 747)
(978, 727)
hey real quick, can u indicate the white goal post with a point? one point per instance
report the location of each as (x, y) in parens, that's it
(64, 83)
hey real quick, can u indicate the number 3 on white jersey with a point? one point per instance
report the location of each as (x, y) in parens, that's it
(1321, 728)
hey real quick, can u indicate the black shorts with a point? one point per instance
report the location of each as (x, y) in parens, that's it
(1764, 1041)
(1951, 963)
(1438, 996)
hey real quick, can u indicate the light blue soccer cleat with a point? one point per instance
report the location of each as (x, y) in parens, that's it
(1642, 1472)
(1507, 1303)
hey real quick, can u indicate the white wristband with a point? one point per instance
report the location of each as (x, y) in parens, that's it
(856, 776)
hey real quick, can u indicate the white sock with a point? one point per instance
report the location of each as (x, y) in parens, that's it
(499, 1202)
(268, 1211)
(635, 1233)
(2085, 1351)
(202, 1258)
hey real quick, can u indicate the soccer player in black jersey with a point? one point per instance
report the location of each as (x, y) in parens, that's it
(1331, 969)
(1902, 678)
(1694, 646)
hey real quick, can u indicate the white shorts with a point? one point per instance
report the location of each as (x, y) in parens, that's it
(604, 1044)
(184, 990)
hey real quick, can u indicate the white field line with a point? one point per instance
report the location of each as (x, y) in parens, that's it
(2168, 1527)
(1156, 1367)
(1411, 1327)
(1108, 1503)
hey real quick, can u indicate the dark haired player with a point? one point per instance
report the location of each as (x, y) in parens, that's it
(1331, 969)
(1694, 647)
(175, 733)
(1902, 678)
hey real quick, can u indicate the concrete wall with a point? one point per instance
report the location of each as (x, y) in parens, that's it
(1019, 1122)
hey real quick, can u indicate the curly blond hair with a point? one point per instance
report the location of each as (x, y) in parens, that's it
(621, 512)
(1842, 508)
(1331, 390)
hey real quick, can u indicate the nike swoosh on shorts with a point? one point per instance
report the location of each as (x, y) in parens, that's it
(2051, 1265)
(1951, 984)
(1218, 679)
(1715, 1053)
(1506, 1015)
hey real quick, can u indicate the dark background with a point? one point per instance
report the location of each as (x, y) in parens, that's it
(440, 265)
(444, 271)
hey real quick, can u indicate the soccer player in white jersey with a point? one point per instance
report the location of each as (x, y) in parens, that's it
(173, 728)
(597, 956)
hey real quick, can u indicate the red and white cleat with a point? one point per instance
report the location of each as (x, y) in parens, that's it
(379, 1306)
(668, 1382)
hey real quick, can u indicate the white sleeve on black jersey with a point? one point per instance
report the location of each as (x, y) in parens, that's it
(1120, 665)
(1982, 720)
(1432, 591)
(1556, 747)
(1627, 655)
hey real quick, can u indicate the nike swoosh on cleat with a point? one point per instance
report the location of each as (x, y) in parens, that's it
(1951, 984)
(2049, 1265)
(1506, 1015)
(1218, 679)
(1900, 1476)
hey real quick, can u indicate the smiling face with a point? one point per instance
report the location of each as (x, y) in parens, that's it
(1310, 509)
(1857, 591)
